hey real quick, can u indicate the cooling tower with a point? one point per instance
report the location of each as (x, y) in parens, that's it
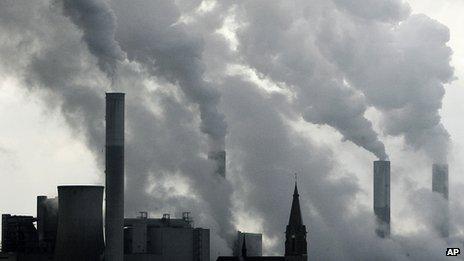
(440, 185)
(80, 223)
(219, 157)
(382, 197)
(114, 212)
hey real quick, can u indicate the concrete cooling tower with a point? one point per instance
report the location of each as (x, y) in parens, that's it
(80, 223)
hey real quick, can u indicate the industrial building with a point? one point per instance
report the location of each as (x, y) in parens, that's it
(78, 232)
(70, 227)
(296, 245)
(382, 197)
(164, 238)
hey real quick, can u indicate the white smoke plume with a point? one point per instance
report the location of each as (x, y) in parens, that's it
(333, 59)
(98, 24)
(401, 66)
(154, 38)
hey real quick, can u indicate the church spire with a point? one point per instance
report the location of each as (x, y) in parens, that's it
(295, 212)
(295, 243)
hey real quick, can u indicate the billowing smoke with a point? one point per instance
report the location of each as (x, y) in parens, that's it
(401, 64)
(150, 33)
(332, 59)
(293, 57)
(98, 24)
(177, 60)
(342, 62)
(162, 145)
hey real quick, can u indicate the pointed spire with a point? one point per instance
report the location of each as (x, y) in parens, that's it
(244, 249)
(295, 191)
(295, 234)
(295, 212)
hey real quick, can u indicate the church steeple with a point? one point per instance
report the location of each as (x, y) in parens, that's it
(295, 243)
(295, 212)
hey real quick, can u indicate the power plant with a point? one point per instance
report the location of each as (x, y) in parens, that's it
(73, 227)
(70, 227)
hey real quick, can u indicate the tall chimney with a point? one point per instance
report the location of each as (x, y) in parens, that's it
(382, 197)
(114, 213)
(219, 157)
(80, 223)
(41, 216)
(440, 185)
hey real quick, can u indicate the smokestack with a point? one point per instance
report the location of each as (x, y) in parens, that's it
(41, 216)
(219, 157)
(114, 213)
(440, 185)
(80, 223)
(47, 222)
(382, 197)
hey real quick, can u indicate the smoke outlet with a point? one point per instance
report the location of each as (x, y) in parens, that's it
(440, 186)
(114, 212)
(382, 197)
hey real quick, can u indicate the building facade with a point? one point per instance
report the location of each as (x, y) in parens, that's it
(164, 239)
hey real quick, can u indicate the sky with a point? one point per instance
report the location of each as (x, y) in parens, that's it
(321, 88)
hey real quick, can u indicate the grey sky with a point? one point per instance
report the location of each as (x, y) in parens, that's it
(311, 94)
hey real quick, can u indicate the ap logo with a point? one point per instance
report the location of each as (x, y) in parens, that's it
(453, 251)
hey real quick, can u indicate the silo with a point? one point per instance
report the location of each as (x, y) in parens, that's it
(80, 223)
(382, 197)
(114, 211)
(440, 185)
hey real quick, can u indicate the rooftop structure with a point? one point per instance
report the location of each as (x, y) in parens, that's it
(164, 238)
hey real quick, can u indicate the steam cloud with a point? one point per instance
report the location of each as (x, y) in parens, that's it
(167, 50)
(334, 60)
(98, 23)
